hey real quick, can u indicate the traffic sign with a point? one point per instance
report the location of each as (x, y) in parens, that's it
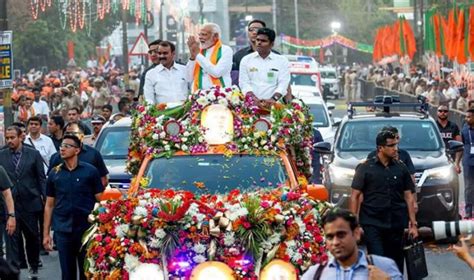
(6, 59)
(328, 52)
(140, 47)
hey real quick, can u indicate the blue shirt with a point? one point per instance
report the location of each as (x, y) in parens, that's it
(359, 271)
(467, 135)
(87, 154)
(74, 192)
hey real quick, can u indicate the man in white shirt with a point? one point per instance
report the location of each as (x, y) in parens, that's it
(264, 74)
(42, 143)
(40, 106)
(210, 62)
(168, 81)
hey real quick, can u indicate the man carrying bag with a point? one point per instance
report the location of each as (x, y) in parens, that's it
(415, 259)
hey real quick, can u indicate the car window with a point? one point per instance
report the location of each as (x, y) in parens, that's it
(216, 173)
(320, 118)
(302, 80)
(113, 143)
(328, 75)
(419, 135)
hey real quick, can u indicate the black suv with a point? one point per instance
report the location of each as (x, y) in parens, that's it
(437, 184)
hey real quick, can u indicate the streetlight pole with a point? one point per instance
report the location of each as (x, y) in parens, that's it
(125, 47)
(274, 16)
(297, 27)
(7, 93)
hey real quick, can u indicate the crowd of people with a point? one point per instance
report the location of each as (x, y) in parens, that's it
(51, 176)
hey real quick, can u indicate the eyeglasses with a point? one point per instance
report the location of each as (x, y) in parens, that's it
(443, 111)
(94, 124)
(67, 146)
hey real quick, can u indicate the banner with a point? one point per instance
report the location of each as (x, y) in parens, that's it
(6, 60)
(326, 42)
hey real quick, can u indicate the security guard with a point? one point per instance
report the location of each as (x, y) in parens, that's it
(387, 206)
(72, 189)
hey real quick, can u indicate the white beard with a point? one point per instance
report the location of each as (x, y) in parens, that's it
(207, 44)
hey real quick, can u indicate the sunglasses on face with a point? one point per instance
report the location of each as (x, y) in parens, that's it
(443, 111)
(68, 146)
(391, 145)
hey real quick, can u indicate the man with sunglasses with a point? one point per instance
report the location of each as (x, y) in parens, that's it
(97, 122)
(72, 189)
(449, 130)
(387, 207)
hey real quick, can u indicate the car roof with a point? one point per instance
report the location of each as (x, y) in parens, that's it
(313, 100)
(123, 122)
(393, 115)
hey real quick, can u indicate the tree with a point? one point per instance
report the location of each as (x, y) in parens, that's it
(44, 43)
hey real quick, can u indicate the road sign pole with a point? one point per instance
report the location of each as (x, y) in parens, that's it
(7, 93)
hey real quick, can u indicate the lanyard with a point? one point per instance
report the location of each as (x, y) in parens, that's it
(470, 136)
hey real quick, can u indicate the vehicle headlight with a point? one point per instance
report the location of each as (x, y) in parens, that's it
(278, 269)
(444, 173)
(212, 270)
(341, 175)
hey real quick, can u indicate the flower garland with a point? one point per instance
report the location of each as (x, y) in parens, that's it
(178, 231)
(291, 128)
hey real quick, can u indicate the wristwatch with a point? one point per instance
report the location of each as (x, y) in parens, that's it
(11, 215)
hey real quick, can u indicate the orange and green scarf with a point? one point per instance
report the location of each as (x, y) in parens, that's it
(215, 56)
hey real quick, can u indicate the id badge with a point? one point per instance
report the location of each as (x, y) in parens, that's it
(472, 150)
(271, 77)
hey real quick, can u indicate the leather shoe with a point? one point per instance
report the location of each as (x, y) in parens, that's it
(33, 274)
(40, 263)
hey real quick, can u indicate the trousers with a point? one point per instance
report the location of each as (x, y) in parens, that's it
(27, 227)
(385, 242)
(468, 172)
(70, 254)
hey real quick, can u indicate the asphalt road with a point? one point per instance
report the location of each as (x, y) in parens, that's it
(442, 264)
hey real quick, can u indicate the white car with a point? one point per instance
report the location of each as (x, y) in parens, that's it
(305, 91)
(322, 119)
(330, 81)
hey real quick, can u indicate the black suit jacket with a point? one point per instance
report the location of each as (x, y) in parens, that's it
(29, 187)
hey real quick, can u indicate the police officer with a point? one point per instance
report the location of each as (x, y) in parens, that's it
(72, 189)
(387, 207)
(449, 130)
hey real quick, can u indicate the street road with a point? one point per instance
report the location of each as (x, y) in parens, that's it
(442, 264)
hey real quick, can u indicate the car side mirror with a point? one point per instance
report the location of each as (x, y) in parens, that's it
(323, 148)
(111, 194)
(336, 121)
(454, 147)
(331, 106)
(317, 192)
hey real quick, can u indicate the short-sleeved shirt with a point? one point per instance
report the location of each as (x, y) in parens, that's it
(383, 188)
(74, 192)
(87, 154)
(358, 271)
(449, 132)
(467, 136)
(403, 156)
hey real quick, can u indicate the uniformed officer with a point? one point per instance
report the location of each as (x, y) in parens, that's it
(449, 130)
(387, 206)
(72, 189)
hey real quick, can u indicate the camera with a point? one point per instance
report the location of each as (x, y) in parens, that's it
(443, 229)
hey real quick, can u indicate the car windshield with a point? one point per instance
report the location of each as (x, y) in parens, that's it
(113, 143)
(216, 173)
(320, 118)
(303, 79)
(328, 75)
(415, 135)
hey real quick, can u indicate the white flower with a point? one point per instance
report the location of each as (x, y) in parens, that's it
(91, 265)
(184, 147)
(200, 139)
(229, 239)
(223, 101)
(155, 243)
(199, 259)
(185, 134)
(131, 262)
(199, 248)
(146, 195)
(142, 202)
(237, 211)
(121, 230)
(296, 256)
(162, 134)
(167, 147)
(202, 101)
(300, 224)
(275, 238)
(184, 139)
(155, 136)
(160, 233)
(140, 211)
